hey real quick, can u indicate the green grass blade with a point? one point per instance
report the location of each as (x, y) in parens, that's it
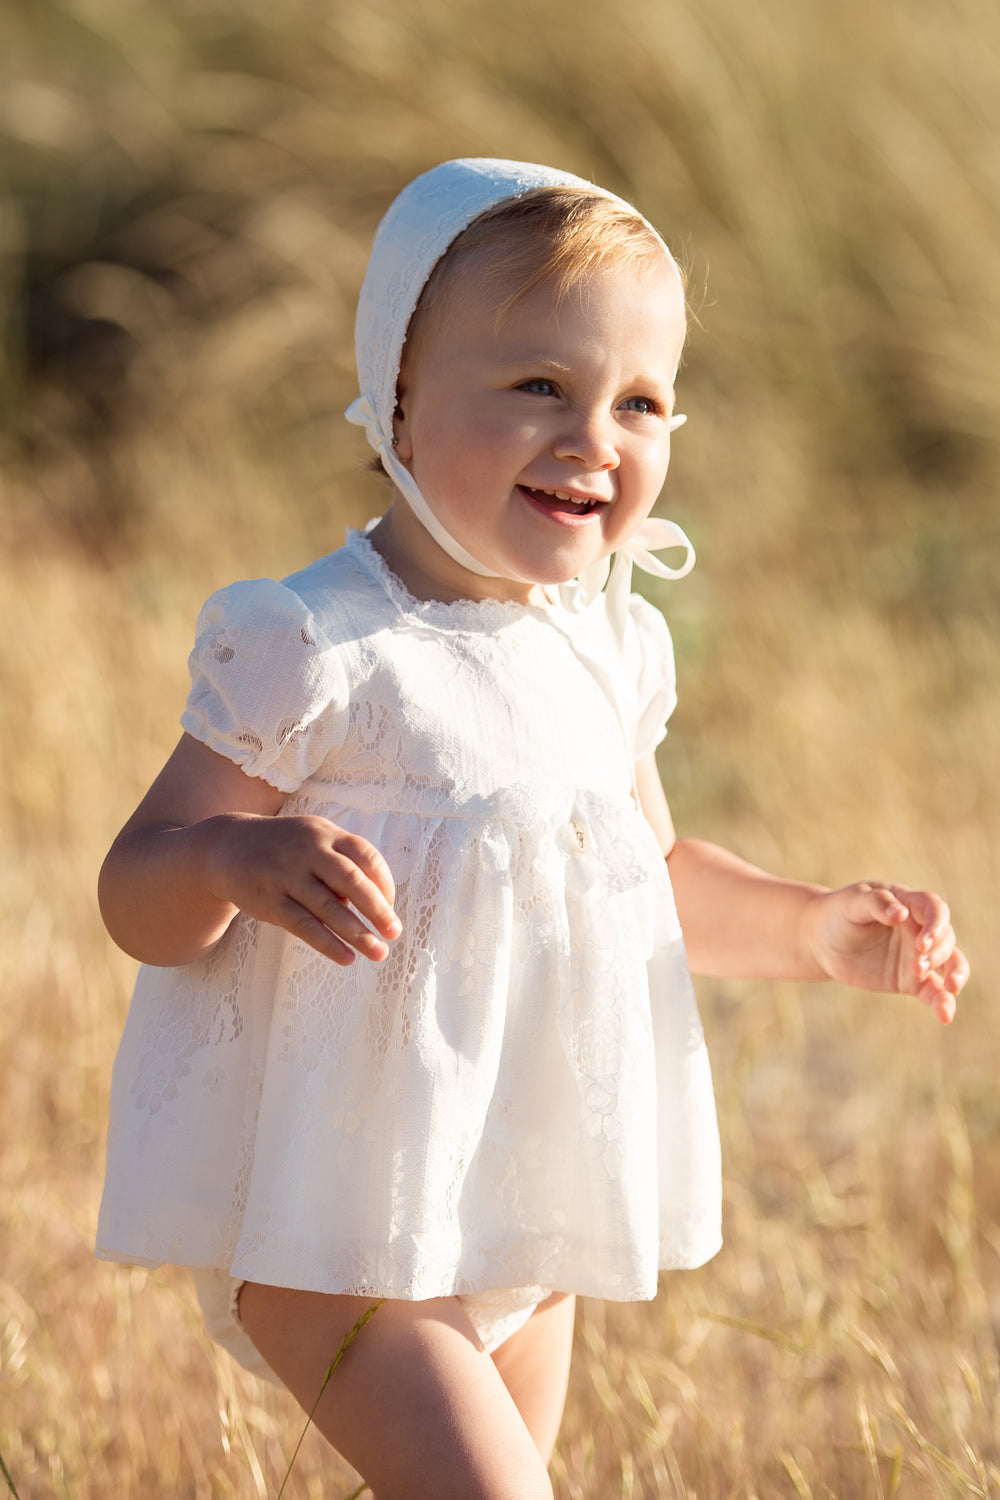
(10, 1483)
(345, 1344)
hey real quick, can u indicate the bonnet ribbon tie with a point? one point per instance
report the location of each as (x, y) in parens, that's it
(361, 413)
(654, 535)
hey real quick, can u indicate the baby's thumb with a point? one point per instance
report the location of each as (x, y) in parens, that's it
(876, 902)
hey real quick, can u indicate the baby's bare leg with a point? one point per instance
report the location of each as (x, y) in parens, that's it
(534, 1364)
(416, 1405)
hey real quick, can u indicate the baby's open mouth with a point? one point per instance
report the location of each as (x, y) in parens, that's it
(560, 501)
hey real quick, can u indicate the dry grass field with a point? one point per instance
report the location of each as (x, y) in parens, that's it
(187, 195)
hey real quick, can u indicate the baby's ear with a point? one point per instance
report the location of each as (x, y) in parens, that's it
(402, 446)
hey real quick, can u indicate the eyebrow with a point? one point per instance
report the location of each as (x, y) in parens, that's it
(532, 357)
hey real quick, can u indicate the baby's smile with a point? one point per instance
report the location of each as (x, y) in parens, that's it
(561, 503)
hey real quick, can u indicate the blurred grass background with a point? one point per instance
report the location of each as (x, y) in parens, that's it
(187, 197)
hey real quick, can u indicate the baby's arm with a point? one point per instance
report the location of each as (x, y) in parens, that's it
(739, 921)
(204, 843)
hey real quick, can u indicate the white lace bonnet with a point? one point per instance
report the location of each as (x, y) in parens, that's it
(415, 232)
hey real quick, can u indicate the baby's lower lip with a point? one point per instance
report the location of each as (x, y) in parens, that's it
(566, 512)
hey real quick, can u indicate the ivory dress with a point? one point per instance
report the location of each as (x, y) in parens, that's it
(519, 1096)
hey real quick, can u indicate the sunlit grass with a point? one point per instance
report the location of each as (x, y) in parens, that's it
(190, 194)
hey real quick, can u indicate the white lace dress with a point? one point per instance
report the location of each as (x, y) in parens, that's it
(520, 1095)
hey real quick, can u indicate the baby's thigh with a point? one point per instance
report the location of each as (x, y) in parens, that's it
(534, 1365)
(416, 1405)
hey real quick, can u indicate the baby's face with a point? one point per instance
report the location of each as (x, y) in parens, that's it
(542, 441)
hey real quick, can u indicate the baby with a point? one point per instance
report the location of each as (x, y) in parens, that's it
(415, 1028)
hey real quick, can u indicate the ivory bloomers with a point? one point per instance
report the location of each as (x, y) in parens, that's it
(519, 1096)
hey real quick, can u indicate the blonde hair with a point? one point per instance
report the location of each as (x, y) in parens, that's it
(561, 234)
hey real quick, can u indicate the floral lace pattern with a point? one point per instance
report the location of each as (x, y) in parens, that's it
(519, 1095)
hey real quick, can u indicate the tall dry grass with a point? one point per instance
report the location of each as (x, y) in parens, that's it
(189, 193)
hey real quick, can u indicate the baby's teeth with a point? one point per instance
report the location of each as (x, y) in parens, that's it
(563, 495)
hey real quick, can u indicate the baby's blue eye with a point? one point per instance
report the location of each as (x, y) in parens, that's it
(539, 386)
(644, 405)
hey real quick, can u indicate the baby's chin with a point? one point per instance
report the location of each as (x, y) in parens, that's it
(569, 573)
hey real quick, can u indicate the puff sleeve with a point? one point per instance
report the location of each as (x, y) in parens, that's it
(656, 691)
(268, 690)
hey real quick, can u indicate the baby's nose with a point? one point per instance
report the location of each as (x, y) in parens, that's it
(589, 439)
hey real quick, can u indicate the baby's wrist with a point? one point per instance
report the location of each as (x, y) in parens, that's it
(812, 956)
(221, 848)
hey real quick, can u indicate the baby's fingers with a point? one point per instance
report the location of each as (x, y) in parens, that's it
(934, 943)
(936, 938)
(326, 924)
(363, 868)
(321, 911)
(871, 902)
(940, 986)
(956, 972)
(350, 882)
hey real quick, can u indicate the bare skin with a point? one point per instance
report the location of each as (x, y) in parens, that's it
(462, 1425)
(874, 935)
(204, 843)
(534, 1366)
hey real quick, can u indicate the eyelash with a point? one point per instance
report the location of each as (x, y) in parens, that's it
(653, 408)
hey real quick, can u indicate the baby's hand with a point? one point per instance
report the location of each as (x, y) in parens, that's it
(305, 874)
(886, 937)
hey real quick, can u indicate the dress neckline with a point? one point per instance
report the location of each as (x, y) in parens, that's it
(459, 614)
